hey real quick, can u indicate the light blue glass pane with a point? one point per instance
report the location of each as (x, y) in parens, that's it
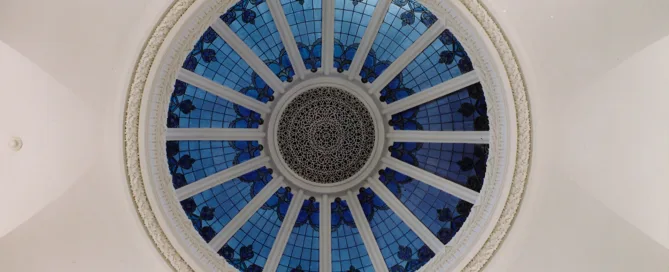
(253, 24)
(253, 241)
(226, 199)
(429, 69)
(395, 238)
(214, 59)
(304, 18)
(351, 20)
(302, 248)
(405, 22)
(348, 250)
(443, 114)
(198, 159)
(191, 107)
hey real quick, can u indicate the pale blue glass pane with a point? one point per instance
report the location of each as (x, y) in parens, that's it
(302, 249)
(351, 20)
(304, 18)
(191, 107)
(251, 245)
(198, 159)
(399, 245)
(348, 250)
(448, 160)
(214, 59)
(226, 199)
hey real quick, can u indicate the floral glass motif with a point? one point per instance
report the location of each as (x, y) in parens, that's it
(461, 163)
(189, 161)
(191, 107)
(304, 18)
(252, 21)
(302, 250)
(442, 60)
(348, 250)
(442, 213)
(351, 20)
(214, 59)
(404, 23)
(463, 110)
(248, 249)
(400, 246)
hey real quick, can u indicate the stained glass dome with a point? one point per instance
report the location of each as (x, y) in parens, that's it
(344, 135)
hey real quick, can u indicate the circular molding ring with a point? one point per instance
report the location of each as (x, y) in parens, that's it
(469, 250)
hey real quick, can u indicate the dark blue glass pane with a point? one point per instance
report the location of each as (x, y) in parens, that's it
(461, 163)
(464, 110)
(348, 250)
(351, 20)
(190, 161)
(405, 22)
(253, 23)
(301, 252)
(191, 107)
(304, 18)
(251, 245)
(441, 212)
(400, 246)
(214, 59)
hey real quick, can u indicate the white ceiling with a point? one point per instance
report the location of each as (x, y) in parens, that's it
(596, 73)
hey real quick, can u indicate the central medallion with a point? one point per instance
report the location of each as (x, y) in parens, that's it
(326, 135)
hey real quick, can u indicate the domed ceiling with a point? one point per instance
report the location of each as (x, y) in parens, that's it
(347, 135)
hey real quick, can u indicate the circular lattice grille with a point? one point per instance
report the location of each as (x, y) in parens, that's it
(326, 135)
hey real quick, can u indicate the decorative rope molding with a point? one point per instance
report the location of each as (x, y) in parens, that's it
(155, 73)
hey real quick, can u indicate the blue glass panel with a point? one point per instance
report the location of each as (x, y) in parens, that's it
(191, 107)
(214, 59)
(439, 211)
(249, 248)
(400, 246)
(190, 161)
(405, 22)
(253, 23)
(464, 110)
(351, 20)
(301, 252)
(461, 163)
(304, 18)
(348, 250)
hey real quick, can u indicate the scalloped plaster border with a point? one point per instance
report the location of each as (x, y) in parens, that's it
(162, 242)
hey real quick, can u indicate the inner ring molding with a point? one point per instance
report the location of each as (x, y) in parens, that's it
(313, 188)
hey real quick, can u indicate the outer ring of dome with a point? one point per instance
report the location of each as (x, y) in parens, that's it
(186, 20)
(357, 90)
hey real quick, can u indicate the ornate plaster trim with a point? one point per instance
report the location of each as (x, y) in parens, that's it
(186, 251)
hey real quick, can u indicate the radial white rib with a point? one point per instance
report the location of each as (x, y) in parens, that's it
(214, 134)
(221, 177)
(407, 216)
(410, 54)
(365, 232)
(284, 232)
(222, 91)
(433, 180)
(287, 38)
(245, 214)
(325, 235)
(423, 136)
(365, 45)
(432, 93)
(247, 54)
(327, 38)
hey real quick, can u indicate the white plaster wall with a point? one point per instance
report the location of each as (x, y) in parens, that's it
(596, 76)
(58, 133)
